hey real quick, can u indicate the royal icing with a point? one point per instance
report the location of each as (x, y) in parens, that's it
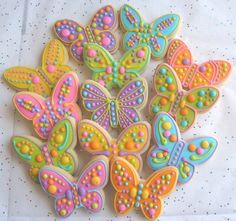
(99, 31)
(155, 34)
(191, 75)
(58, 150)
(172, 150)
(110, 73)
(42, 79)
(133, 192)
(130, 144)
(45, 113)
(71, 193)
(182, 105)
(111, 112)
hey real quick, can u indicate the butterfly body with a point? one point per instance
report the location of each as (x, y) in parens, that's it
(171, 150)
(45, 113)
(192, 75)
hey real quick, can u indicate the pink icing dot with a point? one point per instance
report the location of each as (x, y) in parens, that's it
(101, 82)
(151, 211)
(106, 20)
(106, 41)
(35, 79)
(79, 50)
(163, 187)
(109, 70)
(65, 32)
(92, 53)
(51, 68)
(166, 133)
(137, 145)
(85, 134)
(122, 207)
(141, 133)
(86, 144)
(119, 178)
(122, 70)
(140, 53)
(199, 151)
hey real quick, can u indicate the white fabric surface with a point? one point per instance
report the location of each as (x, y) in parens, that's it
(208, 27)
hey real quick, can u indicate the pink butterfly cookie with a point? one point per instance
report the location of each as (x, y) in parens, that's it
(45, 113)
(71, 193)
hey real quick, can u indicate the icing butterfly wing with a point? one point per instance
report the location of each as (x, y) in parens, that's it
(195, 101)
(133, 141)
(167, 87)
(104, 21)
(166, 135)
(162, 29)
(27, 79)
(73, 34)
(59, 187)
(89, 186)
(123, 183)
(160, 184)
(28, 149)
(93, 138)
(196, 151)
(130, 99)
(191, 75)
(61, 142)
(96, 99)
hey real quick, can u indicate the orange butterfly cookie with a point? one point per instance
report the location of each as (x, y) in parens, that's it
(191, 75)
(132, 192)
(131, 143)
(42, 79)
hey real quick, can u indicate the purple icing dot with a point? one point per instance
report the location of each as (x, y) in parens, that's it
(153, 154)
(202, 68)
(69, 194)
(81, 191)
(185, 61)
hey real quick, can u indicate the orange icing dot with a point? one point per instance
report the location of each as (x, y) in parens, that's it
(191, 98)
(191, 147)
(94, 145)
(173, 138)
(54, 153)
(130, 145)
(171, 87)
(163, 101)
(184, 111)
(39, 158)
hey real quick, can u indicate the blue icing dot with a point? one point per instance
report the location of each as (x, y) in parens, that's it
(201, 93)
(87, 86)
(136, 119)
(162, 88)
(162, 70)
(184, 123)
(169, 80)
(114, 80)
(139, 100)
(138, 83)
(95, 117)
(137, 204)
(84, 93)
(140, 186)
(138, 197)
(114, 69)
(141, 90)
(199, 104)
(213, 93)
(88, 105)
(155, 109)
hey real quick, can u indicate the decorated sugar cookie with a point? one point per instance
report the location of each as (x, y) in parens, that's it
(45, 113)
(111, 112)
(99, 31)
(155, 34)
(172, 150)
(130, 144)
(58, 150)
(191, 75)
(182, 105)
(71, 193)
(42, 79)
(110, 73)
(133, 192)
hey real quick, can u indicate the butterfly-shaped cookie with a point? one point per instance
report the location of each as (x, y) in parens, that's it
(110, 73)
(71, 193)
(146, 195)
(109, 111)
(182, 105)
(191, 75)
(130, 144)
(58, 150)
(99, 31)
(172, 150)
(45, 113)
(42, 79)
(155, 34)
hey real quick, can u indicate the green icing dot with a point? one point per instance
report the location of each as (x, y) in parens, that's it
(184, 123)
(94, 205)
(162, 70)
(213, 93)
(155, 109)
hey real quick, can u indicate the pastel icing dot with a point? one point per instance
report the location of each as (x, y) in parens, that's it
(122, 207)
(202, 68)
(155, 109)
(106, 41)
(145, 194)
(101, 82)
(191, 147)
(59, 138)
(130, 145)
(91, 53)
(88, 105)
(65, 160)
(166, 133)
(139, 100)
(162, 70)
(94, 206)
(166, 125)
(35, 171)
(199, 151)
(141, 133)
(52, 189)
(138, 83)
(162, 88)
(65, 32)
(109, 70)
(191, 98)
(35, 80)
(94, 145)
(79, 50)
(85, 134)
(173, 138)
(133, 192)
(199, 104)
(185, 61)
(140, 53)
(122, 70)
(106, 20)
(63, 212)
(96, 180)
(184, 123)
(24, 149)
(186, 169)
(205, 144)
(169, 80)
(39, 158)
(53, 153)
(201, 93)
(151, 212)
(51, 68)
(213, 93)
(84, 93)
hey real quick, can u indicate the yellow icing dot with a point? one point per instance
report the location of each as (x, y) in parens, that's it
(65, 160)
(118, 167)
(39, 158)
(59, 138)
(96, 180)
(63, 212)
(186, 169)
(166, 125)
(80, 37)
(204, 144)
(159, 155)
(145, 194)
(133, 192)
(52, 189)
(35, 171)
(25, 149)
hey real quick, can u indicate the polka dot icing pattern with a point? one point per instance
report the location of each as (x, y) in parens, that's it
(98, 31)
(45, 113)
(171, 150)
(146, 195)
(130, 144)
(155, 34)
(182, 105)
(42, 79)
(110, 73)
(191, 75)
(117, 111)
(58, 150)
(71, 193)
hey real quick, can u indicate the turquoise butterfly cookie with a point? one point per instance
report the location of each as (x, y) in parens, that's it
(155, 34)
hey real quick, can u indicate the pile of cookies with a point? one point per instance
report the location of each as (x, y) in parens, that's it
(48, 97)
